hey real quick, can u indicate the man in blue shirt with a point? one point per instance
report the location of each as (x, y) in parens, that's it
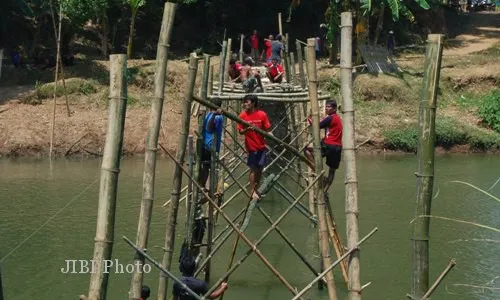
(200, 287)
(212, 129)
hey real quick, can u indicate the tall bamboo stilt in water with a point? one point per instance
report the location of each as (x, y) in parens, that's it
(425, 156)
(177, 184)
(1, 286)
(148, 179)
(110, 169)
(348, 140)
(318, 163)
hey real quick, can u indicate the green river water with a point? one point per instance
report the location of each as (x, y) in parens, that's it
(49, 216)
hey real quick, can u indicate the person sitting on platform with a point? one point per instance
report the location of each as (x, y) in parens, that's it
(249, 78)
(331, 145)
(200, 287)
(275, 71)
(234, 70)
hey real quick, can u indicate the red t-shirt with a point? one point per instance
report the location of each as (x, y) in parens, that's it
(268, 49)
(253, 140)
(333, 128)
(274, 70)
(254, 40)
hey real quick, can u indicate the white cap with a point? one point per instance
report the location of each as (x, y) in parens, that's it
(391, 32)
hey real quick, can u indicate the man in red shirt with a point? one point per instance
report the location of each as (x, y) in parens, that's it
(254, 142)
(234, 70)
(331, 145)
(274, 71)
(254, 42)
(267, 46)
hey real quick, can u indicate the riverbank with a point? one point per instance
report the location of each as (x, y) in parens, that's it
(386, 106)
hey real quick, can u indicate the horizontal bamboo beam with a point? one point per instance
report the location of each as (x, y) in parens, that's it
(310, 285)
(258, 130)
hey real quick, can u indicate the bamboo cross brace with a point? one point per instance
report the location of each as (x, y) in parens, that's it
(274, 225)
(242, 235)
(301, 208)
(431, 290)
(310, 285)
(161, 268)
(268, 98)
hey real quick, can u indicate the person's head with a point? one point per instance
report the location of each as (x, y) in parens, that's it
(271, 37)
(232, 61)
(255, 31)
(331, 107)
(279, 37)
(250, 102)
(188, 266)
(145, 292)
(217, 102)
(248, 61)
(274, 61)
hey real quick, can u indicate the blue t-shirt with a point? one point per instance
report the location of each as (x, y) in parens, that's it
(208, 136)
(198, 286)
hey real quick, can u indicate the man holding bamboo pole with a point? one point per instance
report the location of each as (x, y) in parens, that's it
(331, 145)
(254, 142)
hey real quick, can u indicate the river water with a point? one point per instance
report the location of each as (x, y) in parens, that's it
(49, 216)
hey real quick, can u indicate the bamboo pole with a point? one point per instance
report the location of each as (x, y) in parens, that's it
(256, 129)
(109, 176)
(189, 193)
(425, 156)
(155, 117)
(1, 62)
(348, 141)
(327, 270)
(322, 229)
(298, 94)
(222, 65)
(280, 25)
(242, 37)
(242, 235)
(450, 266)
(161, 268)
(302, 77)
(227, 58)
(287, 62)
(210, 81)
(213, 186)
(240, 97)
(177, 183)
(293, 78)
(1, 286)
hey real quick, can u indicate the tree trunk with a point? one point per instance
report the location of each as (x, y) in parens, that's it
(104, 35)
(425, 172)
(380, 24)
(131, 34)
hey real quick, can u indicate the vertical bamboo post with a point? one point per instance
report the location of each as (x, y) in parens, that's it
(425, 172)
(110, 169)
(287, 61)
(1, 286)
(189, 192)
(148, 178)
(294, 78)
(280, 25)
(222, 65)
(210, 225)
(177, 182)
(348, 141)
(227, 58)
(302, 77)
(1, 62)
(210, 87)
(322, 231)
(242, 36)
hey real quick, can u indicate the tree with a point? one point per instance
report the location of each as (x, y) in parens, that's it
(134, 6)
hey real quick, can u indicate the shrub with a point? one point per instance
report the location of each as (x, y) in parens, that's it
(489, 110)
(449, 133)
(481, 140)
(402, 138)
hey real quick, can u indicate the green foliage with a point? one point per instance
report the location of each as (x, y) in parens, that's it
(402, 139)
(79, 11)
(489, 110)
(449, 133)
(397, 7)
(73, 86)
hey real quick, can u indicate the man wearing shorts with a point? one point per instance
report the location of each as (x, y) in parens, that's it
(254, 142)
(331, 145)
(212, 130)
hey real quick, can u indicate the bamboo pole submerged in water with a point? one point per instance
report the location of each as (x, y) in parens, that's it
(1, 286)
(109, 176)
(318, 168)
(349, 152)
(425, 172)
(177, 183)
(148, 180)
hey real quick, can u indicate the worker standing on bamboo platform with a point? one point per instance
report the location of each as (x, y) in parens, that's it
(254, 42)
(212, 130)
(234, 70)
(248, 76)
(254, 142)
(276, 48)
(200, 287)
(331, 145)
(275, 71)
(268, 48)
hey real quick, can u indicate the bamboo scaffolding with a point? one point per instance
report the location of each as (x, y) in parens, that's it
(227, 58)
(222, 66)
(349, 152)
(425, 157)
(242, 37)
(177, 183)
(321, 206)
(327, 270)
(242, 235)
(302, 77)
(151, 148)
(270, 99)
(189, 192)
(110, 169)
(450, 266)
(164, 270)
